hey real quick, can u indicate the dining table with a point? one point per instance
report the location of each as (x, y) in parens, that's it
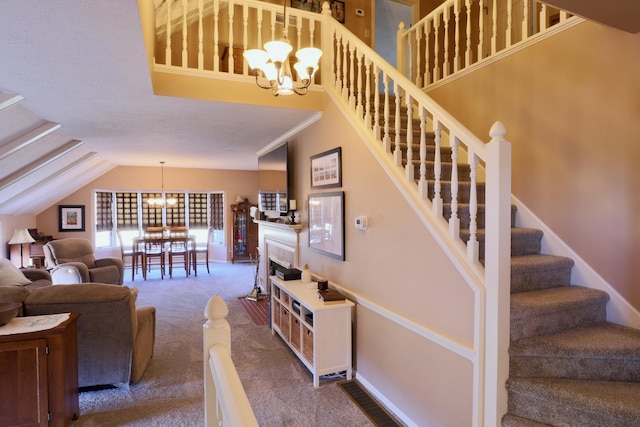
(140, 243)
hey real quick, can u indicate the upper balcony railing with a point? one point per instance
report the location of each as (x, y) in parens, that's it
(461, 33)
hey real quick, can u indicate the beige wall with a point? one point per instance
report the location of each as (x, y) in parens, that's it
(127, 178)
(571, 106)
(397, 265)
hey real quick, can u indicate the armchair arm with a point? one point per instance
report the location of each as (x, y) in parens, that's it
(34, 274)
(70, 273)
(109, 261)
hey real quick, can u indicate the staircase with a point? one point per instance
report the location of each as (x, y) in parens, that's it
(568, 365)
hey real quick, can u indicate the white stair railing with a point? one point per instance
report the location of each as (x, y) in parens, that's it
(461, 33)
(225, 401)
(427, 161)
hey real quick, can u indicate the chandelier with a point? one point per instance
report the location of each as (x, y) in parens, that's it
(161, 201)
(273, 64)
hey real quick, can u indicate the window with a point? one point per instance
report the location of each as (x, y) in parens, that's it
(130, 212)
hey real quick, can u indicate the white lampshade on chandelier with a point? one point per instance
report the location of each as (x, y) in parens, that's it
(273, 64)
(162, 200)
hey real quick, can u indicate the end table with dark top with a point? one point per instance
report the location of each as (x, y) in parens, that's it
(39, 374)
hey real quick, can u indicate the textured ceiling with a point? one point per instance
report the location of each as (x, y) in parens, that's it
(82, 64)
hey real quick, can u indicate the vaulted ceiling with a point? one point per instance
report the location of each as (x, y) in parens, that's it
(76, 100)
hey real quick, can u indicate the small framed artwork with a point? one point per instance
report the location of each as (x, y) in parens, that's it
(337, 10)
(326, 224)
(326, 169)
(71, 218)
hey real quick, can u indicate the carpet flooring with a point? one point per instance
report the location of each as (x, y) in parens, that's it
(170, 393)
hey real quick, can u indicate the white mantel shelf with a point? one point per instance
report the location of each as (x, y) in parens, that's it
(280, 225)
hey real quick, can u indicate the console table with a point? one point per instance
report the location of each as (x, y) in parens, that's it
(39, 376)
(318, 333)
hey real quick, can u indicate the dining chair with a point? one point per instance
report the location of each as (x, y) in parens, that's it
(134, 252)
(201, 248)
(178, 249)
(154, 250)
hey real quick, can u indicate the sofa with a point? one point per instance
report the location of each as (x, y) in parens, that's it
(73, 261)
(115, 337)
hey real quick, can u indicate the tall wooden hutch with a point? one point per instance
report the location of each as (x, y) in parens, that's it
(245, 233)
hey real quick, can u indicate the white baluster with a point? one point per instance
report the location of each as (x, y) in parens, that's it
(437, 170)
(168, 48)
(367, 94)
(427, 66)
(359, 106)
(481, 31)
(508, 40)
(376, 102)
(446, 17)
(543, 17)
(259, 24)
(456, 51)
(454, 220)
(338, 64)
(386, 142)
(423, 188)
(397, 152)
(525, 20)
(409, 169)
(352, 75)
(467, 54)
(245, 35)
(216, 35)
(418, 33)
(185, 54)
(312, 30)
(345, 83)
(473, 247)
(230, 11)
(200, 35)
(436, 50)
(494, 29)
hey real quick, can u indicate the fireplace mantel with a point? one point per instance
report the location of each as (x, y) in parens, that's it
(278, 241)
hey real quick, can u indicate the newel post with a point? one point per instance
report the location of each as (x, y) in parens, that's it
(497, 273)
(216, 330)
(401, 49)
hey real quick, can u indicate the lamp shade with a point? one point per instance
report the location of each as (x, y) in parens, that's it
(21, 235)
(278, 50)
(257, 58)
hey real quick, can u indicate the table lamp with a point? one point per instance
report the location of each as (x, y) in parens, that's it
(21, 236)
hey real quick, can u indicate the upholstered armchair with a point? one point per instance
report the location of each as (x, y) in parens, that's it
(73, 261)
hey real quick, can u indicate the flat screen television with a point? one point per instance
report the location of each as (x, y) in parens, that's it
(273, 181)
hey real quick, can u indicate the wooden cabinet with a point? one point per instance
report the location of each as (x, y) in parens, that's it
(245, 233)
(318, 333)
(39, 377)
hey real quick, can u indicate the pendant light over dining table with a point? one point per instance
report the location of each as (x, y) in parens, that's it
(273, 64)
(161, 201)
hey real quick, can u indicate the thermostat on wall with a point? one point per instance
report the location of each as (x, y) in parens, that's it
(361, 223)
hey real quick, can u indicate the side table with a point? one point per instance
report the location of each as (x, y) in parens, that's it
(39, 376)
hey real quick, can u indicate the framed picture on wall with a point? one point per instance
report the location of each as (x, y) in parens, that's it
(70, 218)
(326, 224)
(337, 10)
(326, 169)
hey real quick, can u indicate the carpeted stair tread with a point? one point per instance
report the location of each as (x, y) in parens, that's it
(553, 310)
(575, 402)
(602, 340)
(604, 351)
(533, 272)
(510, 420)
(524, 241)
